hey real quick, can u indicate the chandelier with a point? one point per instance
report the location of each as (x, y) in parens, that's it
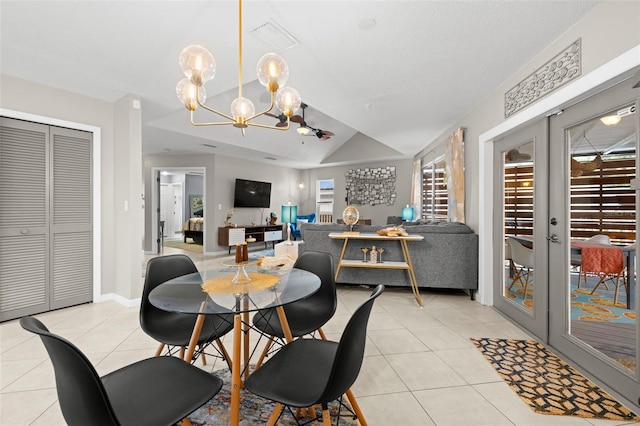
(199, 66)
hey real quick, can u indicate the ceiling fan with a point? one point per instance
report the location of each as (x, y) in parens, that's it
(304, 128)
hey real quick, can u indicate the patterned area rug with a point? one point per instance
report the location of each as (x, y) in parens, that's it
(253, 409)
(547, 384)
(584, 305)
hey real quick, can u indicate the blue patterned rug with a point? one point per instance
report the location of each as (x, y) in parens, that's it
(254, 410)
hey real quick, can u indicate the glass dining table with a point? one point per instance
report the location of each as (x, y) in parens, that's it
(234, 289)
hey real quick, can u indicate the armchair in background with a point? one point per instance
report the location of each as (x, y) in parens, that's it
(295, 227)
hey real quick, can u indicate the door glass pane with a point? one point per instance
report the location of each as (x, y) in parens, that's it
(518, 283)
(603, 234)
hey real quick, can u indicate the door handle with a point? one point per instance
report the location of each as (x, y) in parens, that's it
(554, 239)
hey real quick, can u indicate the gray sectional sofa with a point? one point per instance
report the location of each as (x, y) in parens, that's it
(447, 257)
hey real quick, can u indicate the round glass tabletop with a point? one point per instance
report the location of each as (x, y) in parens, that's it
(212, 291)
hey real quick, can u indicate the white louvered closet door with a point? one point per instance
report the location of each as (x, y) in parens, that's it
(45, 185)
(71, 224)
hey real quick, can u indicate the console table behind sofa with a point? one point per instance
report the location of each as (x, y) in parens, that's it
(447, 257)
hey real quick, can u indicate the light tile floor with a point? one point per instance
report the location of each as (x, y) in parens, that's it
(420, 367)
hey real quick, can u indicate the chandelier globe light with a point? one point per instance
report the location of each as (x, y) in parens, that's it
(199, 67)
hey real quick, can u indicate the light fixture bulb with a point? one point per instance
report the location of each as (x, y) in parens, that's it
(611, 120)
(186, 92)
(242, 108)
(198, 64)
(303, 130)
(288, 101)
(272, 71)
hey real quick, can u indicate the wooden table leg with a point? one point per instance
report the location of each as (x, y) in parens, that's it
(344, 247)
(412, 275)
(245, 335)
(235, 372)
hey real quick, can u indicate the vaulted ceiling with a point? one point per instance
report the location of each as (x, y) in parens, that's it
(389, 76)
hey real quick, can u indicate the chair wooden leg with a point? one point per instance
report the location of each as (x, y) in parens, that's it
(356, 407)
(275, 414)
(185, 422)
(615, 293)
(182, 352)
(264, 353)
(159, 350)
(601, 281)
(322, 335)
(526, 285)
(580, 276)
(224, 353)
(326, 417)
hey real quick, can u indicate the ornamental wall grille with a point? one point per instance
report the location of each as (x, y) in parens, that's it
(371, 185)
(564, 67)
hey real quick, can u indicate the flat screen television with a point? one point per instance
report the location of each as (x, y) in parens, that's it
(251, 193)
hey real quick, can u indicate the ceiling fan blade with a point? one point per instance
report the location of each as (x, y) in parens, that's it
(297, 119)
(328, 133)
(268, 114)
(324, 137)
(281, 124)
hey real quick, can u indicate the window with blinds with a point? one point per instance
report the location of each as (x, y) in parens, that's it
(518, 199)
(602, 201)
(434, 191)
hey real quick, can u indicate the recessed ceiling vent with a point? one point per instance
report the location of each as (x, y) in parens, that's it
(270, 158)
(275, 36)
(208, 145)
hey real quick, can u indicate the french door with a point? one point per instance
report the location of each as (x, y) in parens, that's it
(520, 174)
(592, 294)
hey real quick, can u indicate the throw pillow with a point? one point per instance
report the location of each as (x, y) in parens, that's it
(300, 221)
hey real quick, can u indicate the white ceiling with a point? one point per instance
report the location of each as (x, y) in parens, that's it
(397, 85)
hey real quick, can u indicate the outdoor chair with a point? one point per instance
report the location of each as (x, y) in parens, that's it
(576, 258)
(307, 372)
(155, 391)
(522, 258)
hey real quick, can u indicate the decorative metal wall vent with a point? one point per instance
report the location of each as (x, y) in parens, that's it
(564, 67)
(371, 185)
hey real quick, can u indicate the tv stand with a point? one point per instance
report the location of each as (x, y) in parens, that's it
(262, 233)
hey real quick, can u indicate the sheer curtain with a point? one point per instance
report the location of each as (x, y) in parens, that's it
(454, 159)
(416, 189)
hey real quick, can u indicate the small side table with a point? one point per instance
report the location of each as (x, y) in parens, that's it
(285, 248)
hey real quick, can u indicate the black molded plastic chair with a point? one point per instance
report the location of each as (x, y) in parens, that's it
(154, 391)
(307, 315)
(312, 371)
(173, 329)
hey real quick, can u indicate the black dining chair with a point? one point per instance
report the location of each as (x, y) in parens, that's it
(307, 372)
(174, 330)
(307, 315)
(155, 391)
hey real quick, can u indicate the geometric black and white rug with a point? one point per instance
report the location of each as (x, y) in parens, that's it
(546, 383)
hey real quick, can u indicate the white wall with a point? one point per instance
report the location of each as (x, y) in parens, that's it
(610, 29)
(378, 214)
(53, 104)
(610, 32)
